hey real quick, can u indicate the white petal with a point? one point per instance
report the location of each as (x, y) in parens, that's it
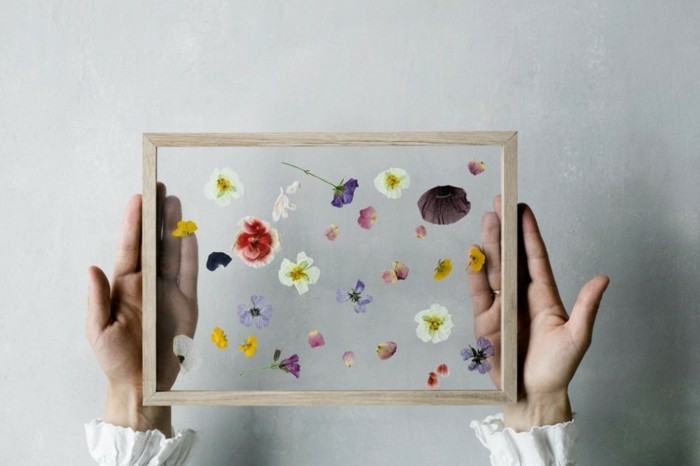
(313, 273)
(285, 267)
(423, 333)
(301, 257)
(380, 184)
(301, 286)
(294, 187)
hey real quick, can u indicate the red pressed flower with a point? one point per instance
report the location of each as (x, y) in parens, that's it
(432, 380)
(443, 370)
(255, 243)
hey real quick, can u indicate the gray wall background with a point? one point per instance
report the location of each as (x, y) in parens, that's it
(606, 99)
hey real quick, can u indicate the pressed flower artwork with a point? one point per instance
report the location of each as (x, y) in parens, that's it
(367, 217)
(187, 354)
(218, 337)
(343, 192)
(258, 312)
(476, 167)
(349, 358)
(355, 296)
(421, 231)
(289, 365)
(443, 370)
(391, 182)
(434, 324)
(184, 228)
(477, 259)
(255, 242)
(332, 232)
(442, 269)
(398, 271)
(478, 356)
(223, 185)
(249, 346)
(218, 259)
(443, 205)
(300, 274)
(386, 350)
(315, 339)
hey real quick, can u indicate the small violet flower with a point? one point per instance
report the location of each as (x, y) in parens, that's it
(343, 193)
(484, 350)
(289, 365)
(367, 217)
(259, 312)
(355, 296)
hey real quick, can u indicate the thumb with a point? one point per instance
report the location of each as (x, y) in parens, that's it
(585, 309)
(99, 304)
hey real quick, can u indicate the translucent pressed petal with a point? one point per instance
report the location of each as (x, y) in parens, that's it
(341, 296)
(187, 354)
(433, 381)
(315, 339)
(349, 358)
(401, 270)
(386, 350)
(359, 286)
(443, 370)
(476, 167)
(389, 276)
(313, 273)
(367, 217)
(332, 232)
(421, 231)
(443, 205)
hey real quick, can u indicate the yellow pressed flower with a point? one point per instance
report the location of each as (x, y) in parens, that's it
(184, 228)
(443, 269)
(477, 259)
(219, 338)
(250, 346)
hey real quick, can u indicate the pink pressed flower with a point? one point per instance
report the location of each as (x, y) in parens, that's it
(367, 217)
(443, 370)
(420, 232)
(399, 272)
(255, 243)
(386, 350)
(433, 381)
(476, 167)
(316, 339)
(332, 232)
(349, 358)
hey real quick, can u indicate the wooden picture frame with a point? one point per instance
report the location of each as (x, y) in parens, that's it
(506, 140)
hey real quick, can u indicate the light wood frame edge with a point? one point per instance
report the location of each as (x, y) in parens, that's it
(508, 142)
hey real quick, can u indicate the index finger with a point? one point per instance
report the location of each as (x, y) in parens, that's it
(129, 246)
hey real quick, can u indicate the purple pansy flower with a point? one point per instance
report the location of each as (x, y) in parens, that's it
(291, 365)
(259, 312)
(484, 349)
(343, 193)
(355, 296)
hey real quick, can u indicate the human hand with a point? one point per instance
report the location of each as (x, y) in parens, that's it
(114, 316)
(551, 344)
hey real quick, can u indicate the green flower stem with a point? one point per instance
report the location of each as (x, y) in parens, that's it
(271, 366)
(308, 172)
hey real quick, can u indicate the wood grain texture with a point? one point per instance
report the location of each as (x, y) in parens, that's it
(328, 397)
(509, 270)
(329, 139)
(507, 140)
(148, 266)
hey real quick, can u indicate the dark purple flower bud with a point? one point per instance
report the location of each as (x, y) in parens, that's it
(443, 205)
(217, 259)
(291, 365)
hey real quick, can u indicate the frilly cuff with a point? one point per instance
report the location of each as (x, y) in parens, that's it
(111, 445)
(548, 445)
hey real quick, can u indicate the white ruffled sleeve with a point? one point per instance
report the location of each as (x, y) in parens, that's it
(548, 445)
(111, 445)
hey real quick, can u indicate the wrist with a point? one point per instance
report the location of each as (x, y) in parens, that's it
(538, 410)
(125, 409)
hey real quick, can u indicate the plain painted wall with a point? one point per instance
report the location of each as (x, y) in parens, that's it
(606, 98)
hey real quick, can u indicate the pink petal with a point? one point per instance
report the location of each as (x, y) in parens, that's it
(316, 339)
(367, 217)
(443, 370)
(332, 232)
(349, 358)
(386, 350)
(476, 167)
(420, 232)
(401, 270)
(389, 276)
(433, 381)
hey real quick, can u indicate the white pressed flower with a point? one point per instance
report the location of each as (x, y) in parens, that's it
(223, 185)
(282, 205)
(299, 274)
(390, 182)
(187, 354)
(434, 324)
(294, 187)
